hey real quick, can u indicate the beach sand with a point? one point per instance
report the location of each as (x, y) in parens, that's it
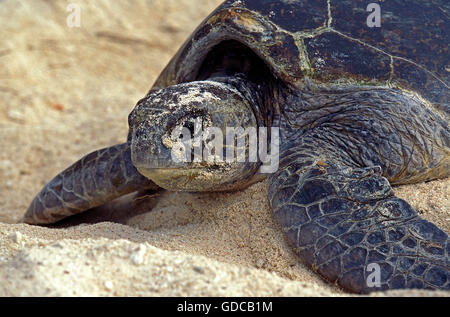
(65, 92)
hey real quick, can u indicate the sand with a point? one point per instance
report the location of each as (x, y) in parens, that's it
(65, 92)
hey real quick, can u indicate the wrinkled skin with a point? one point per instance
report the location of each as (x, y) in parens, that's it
(342, 147)
(333, 193)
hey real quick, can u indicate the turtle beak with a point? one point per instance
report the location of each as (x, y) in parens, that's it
(148, 150)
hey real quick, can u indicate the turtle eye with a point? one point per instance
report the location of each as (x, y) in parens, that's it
(194, 124)
(189, 126)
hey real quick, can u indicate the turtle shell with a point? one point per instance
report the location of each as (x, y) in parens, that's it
(330, 42)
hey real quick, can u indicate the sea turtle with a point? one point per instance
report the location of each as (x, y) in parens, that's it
(358, 109)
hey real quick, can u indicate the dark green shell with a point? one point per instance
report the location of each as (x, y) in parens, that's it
(330, 42)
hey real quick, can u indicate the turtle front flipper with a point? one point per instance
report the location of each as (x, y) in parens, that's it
(345, 222)
(97, 178)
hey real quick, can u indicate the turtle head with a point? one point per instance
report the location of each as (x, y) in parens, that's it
(195, 137)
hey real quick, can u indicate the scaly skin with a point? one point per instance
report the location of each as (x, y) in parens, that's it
(341, 220)
(96, 179)
(333, 199)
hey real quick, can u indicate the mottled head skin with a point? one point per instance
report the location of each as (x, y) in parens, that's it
(155, 119)
(359, 110)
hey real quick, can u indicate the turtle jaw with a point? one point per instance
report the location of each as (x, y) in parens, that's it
(201, 179)
(167, 178)
(183, 179)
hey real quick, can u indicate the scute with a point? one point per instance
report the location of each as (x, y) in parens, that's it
(416, 79)
(414, 29)
(289, 15)
(409, 50)
(334, 57)
(276, 47)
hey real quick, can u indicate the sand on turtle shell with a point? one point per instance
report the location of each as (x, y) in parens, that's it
(65, 92)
